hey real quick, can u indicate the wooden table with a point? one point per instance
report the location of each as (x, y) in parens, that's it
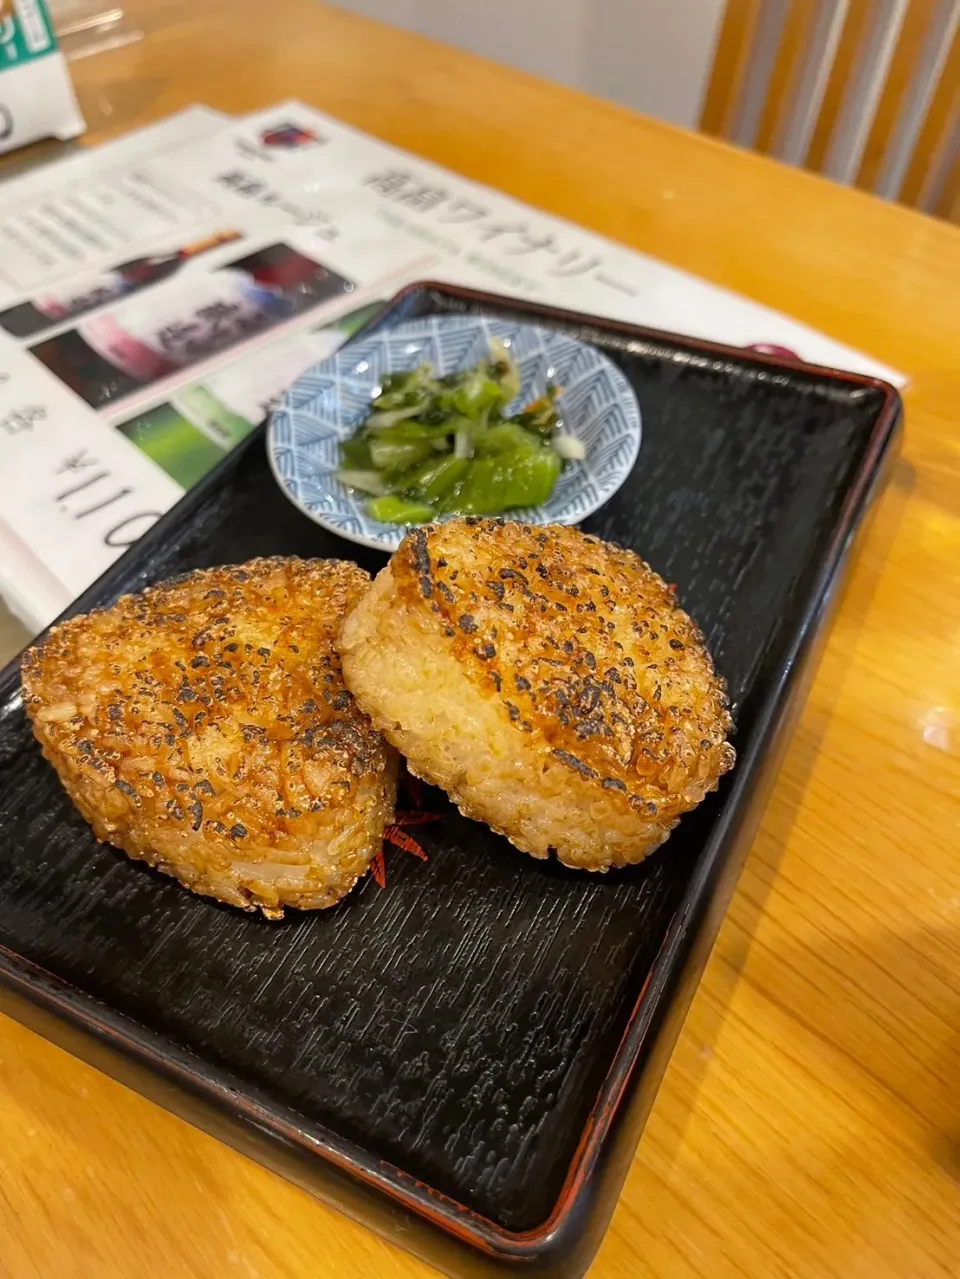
(809, 1123)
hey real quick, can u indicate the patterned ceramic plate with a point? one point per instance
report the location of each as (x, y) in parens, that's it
(330, 401)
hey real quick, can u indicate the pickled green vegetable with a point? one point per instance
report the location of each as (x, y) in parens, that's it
(541, 416)
(355, 454)
(507, 481)
(531, 479)
(394, 510)
(435, 446)
(505, 437)
(437, 479)
(366, 481)
(394, 456)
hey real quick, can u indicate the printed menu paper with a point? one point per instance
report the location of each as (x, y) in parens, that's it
(158, 294)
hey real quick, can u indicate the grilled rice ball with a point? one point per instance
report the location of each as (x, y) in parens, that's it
(204, 727)
(547, 681)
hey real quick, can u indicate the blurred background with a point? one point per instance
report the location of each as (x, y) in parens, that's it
(866, 92)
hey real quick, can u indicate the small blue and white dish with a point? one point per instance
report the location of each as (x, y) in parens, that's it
(327, 404)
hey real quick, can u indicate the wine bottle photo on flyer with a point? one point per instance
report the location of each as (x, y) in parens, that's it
(189, 433)
(74, 298)
(144, 340)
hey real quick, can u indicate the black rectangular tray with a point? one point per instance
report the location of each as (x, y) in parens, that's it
(463, 1059)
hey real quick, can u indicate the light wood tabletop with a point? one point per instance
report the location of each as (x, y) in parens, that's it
(809, 1122)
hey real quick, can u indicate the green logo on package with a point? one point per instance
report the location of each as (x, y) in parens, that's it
(25, 34)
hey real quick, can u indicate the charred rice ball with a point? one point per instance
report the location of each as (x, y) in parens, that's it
(204, 727)
(547, 681)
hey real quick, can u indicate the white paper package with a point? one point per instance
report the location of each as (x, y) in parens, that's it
(36, 95)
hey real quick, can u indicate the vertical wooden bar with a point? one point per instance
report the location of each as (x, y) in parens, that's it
(917, 99)
(854, 127)
(798, 30)
(795, 134)
(845, 65)
(937, 148)
(730, 65)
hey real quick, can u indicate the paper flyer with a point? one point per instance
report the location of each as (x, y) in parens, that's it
(159, 293)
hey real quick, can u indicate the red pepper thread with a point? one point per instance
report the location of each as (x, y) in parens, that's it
(394, 835)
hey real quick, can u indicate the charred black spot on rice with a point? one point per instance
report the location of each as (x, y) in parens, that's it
(578, 765)
(421, 556)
